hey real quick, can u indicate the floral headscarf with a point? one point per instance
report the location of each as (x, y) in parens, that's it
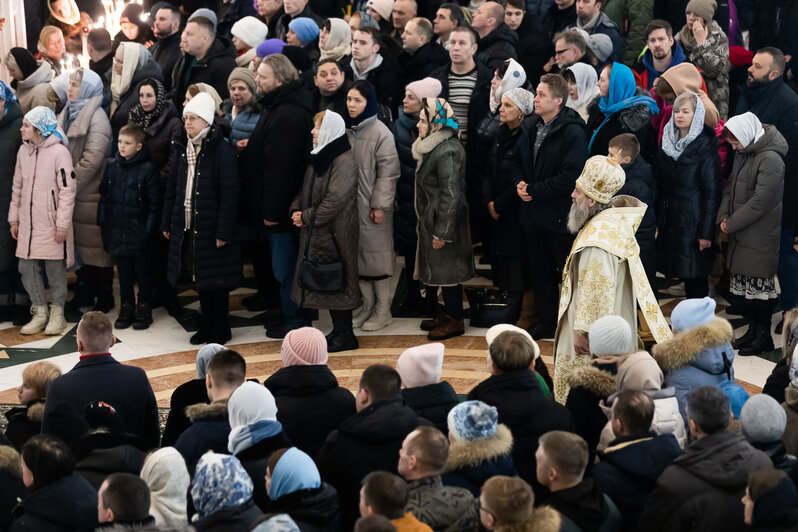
(220, 482)
(440, 114)
(7, 96)
(43, 119)
(144, 118)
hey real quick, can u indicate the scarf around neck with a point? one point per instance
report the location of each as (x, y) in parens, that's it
(146, 118)
(192, 150)
(672, 145)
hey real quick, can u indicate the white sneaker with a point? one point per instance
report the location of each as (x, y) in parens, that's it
(37, 322)
(57, 322)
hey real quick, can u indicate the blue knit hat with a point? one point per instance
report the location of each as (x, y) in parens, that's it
(305, 28)
(693, 313)
(472, 420)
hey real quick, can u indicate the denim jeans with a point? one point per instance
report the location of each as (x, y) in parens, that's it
(284, 254)
(33, 281)
(788, 270)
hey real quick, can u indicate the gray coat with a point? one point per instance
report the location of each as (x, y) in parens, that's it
(377, 163)
(442, 211)
(752, 204)
(338, 211)
(89, 138)
(32, 91)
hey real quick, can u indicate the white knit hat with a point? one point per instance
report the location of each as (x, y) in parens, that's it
(384, 8)
(610, 335)
(250, 30)
(203, 106)
(421, 365)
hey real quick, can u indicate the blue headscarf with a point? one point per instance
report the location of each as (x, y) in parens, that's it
(91, 85)
(7, 96)
(621, 95)
(293, 472)
(220, 481)
(43, 119)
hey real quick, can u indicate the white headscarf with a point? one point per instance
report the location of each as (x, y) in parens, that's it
(252, 411)
(586, 79)
(746, 128)
(339, 43)
(133, 56)
(514, 77)
(165, 473)
(332, 127)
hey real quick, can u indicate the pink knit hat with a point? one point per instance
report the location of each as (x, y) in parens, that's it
(421, 365)
(304, 347)
(425, 88)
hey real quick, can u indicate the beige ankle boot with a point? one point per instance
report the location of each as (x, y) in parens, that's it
(57, 322)
(37, 322)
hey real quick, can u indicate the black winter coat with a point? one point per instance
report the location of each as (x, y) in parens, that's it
(497, 47)
(119, 118)
(777, 381)
(550, 177)
(422, 63)
(589, 386)
(507, 240)
(368, 441)
(213, 69)
(166, 52)
(129, 204)
(214, 201)
(187, 394)
(101, 378)
(273, 163)
(635, 119)
(98, 456)
(66, 505)
(527, 412)
(313, 510)
(160, 134)
(778, 455)
(640, 184)
(24, 422)
(404, 218)
(253, 459)
(239, 518)
(532, 48)
(687, 204)
(209, 431)
(556, 20)
(432, 402)
(310, 404)
(10, 141)
(11, 489)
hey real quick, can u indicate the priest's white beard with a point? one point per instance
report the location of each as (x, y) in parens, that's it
(580, 213)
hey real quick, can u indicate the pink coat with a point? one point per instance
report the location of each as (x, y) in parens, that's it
(42, 198)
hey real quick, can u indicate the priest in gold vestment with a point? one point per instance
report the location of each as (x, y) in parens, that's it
(603, 274)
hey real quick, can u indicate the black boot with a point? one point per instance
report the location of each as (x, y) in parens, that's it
(748, 337)
(105, 300)
(342, 338)
(125, 317)
(763, 340)
(143, 317)
(82, 298)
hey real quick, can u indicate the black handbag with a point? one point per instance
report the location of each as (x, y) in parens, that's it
(491, 307)
(316, 276)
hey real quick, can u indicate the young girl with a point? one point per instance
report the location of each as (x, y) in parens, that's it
(40, 216)
(25, 421)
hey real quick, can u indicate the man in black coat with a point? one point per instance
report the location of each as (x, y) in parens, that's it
(369, 64)
(273, 166)
(166, 51)
(629, 468)
(421, 55)
(98, 377)
(331, 87)
(208, 59)
(532, 48)
(497, 41)
(368, 441)
(767, 95)
(703, 487)
(560, 15)
(295, 9)
(548, 158)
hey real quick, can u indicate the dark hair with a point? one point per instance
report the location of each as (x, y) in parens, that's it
(762, 481)
(468, 29)
(100, 39)
(152, 82)
(271, 461)
(376, 36)
(374, 523)
(381, 382)
(635, 410)
(511, 351)
(227, 368)
(779, 61)
(205, 23)
(557, 85)
(516, 4)
(568, 75)
(709, 408)
(169, 7)
(627, 143)
(363, 87)
(128, 496)
(327, 61)
(659, 24)
(664, 89)
(430, 447)
(386, 493)
(133, 130)
(455, 13)
(501, 70)
(48, 458)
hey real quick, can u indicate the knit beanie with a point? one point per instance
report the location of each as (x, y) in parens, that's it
(244, 75)
(421, 365)
(601, 46)
(305, 346)
(762, 419)
(384, 8)
(250, 30)
(269, 47)
(496, 330)
(206, 13)
(472, 420)
(703, 8)
(305, 28)
(425, 88)
(693, 313)
(610, 335)
(25, 61)
(203, 106)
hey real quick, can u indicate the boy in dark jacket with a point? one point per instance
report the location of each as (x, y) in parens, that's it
(422, 389)
(126, 215)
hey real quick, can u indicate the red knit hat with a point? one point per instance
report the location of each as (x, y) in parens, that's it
(739, 56)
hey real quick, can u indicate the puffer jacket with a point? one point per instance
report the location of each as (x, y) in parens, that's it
(635, 119)
(42, 200)
(32, 91)
(150, 69)
(701, 356)
(432, 402)
(606, 26)
(752, 205)
(404, 220)
(712, 58)
(10, 141)
(129, 204)
(244, 122)
(89, 138)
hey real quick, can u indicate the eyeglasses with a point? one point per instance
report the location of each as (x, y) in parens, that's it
(560, 52)
(190, 118)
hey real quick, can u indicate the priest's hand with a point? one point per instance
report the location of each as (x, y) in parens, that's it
(581, 344)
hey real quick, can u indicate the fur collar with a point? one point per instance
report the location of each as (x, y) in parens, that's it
(595, 380)
(203, 410)
(421, 147)
(472, 453)
(545, 519)
(36, 412)
(686, 346)
(9, 460)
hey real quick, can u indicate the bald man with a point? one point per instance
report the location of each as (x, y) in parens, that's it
(496, 40)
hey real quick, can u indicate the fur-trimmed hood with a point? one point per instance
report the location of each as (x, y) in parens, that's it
(474, 452)
(593, 379)
(697, 346)
(9, 460)
(545, 519)
(36, 412)
(203, 410)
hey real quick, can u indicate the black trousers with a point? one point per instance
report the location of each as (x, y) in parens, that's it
(99, 279)
(696, 287)
(130, 269)
(214, 306)
(547, 252)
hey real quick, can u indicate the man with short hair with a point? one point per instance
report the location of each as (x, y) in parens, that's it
(496, 40)
(369, 64)
(99, 377)
(421, 461)
(123, 501)
(294, 9)
(368, 441)
(703, 487)
(448, 17)
(663, 53)
(101, 56)
(386, 494)
(402, 12)
(208, 59)
(590, 18)
(532, 48)
(331, 87)
(166, 50)
(635, 459)
(226, 371)
(569, 48)
(559, 16)
(561, 462)
(421, 54)
(768, 96)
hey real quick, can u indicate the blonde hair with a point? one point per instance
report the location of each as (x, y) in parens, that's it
(686, 97)
(45, 34)
(510, 499)
(96, 332)
(39, 376)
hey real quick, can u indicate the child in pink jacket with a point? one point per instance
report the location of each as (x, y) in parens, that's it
(40, 216)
